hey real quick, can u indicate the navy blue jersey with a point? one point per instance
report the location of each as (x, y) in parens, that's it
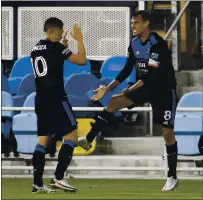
(47, 59)
(152, 60)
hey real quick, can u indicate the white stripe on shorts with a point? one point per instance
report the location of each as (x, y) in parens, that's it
(69, 113)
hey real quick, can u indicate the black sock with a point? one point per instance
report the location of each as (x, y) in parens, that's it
(64, 158)
(38, 164)
(102, 119)
(172, 151)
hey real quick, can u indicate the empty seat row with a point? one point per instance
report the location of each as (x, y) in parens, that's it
(110, 68)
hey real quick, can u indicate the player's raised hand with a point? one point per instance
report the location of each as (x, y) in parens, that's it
(100, 93)
(77, 33)
(65, 40)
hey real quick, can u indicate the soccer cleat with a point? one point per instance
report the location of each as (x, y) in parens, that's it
(171, 184)
(62, 184)
(44, 189)
(82, 141)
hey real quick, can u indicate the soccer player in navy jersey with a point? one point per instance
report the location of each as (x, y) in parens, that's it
(156, 85)
(54, 113)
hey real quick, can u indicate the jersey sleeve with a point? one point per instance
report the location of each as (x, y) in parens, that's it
(159, 57)
(127, 69)
(64, 52)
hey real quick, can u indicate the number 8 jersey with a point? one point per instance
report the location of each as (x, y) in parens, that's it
(47, 60)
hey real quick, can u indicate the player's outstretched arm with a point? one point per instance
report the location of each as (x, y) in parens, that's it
(80, 57)
(123, 74)
(101, 92)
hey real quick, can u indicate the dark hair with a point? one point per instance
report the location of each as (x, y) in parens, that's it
(146, 16)
(52, 22)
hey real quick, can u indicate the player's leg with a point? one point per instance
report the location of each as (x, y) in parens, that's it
(128, 100)
(38, 165)
(172, 151)
(64, 159)
(66, 126)
(115, 104)
(164, 107)
(171, 144)
(44, 114)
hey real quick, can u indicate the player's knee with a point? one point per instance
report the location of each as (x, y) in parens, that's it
(73, 136)
(168, 135)
(43, 140)
(112, 106)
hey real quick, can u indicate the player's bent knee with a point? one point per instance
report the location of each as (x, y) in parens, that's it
(118, 103)
(113, 105)
(73, 136)
(42, 140)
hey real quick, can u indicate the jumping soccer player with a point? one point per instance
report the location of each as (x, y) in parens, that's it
(156, 85)
(54, 113)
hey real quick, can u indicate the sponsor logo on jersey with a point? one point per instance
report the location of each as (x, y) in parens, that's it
(153, 63)
(143, 67)
(66, 51)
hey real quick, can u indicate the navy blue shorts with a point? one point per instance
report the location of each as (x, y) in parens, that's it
(54, 116)
(163, 102)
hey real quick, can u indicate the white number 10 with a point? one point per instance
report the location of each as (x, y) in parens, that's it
(35, 65)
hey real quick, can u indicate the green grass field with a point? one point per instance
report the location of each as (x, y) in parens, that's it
(17, 188)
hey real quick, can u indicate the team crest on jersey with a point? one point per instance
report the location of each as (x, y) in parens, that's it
(137, 53)
(154, 56)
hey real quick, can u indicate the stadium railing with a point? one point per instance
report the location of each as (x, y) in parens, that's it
(93, 109)
(108, 168)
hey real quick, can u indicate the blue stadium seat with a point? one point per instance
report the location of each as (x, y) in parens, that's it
(5, 86)
(76, 101)
(27, 86)
(70, 69)
(188, 125)
(29, 102)
(20, 69)
(76, 87)
(111, 68)
(25, 127)
(79, 84)
(6, 119)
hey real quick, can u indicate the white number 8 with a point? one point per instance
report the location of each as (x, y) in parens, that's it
(44, 65)
(167, 115)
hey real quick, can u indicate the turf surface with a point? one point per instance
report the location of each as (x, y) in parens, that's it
(17, 188)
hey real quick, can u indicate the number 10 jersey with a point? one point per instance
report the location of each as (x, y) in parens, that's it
(47, 59)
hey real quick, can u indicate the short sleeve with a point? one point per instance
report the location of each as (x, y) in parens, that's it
(64, 52)
(159, 54)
